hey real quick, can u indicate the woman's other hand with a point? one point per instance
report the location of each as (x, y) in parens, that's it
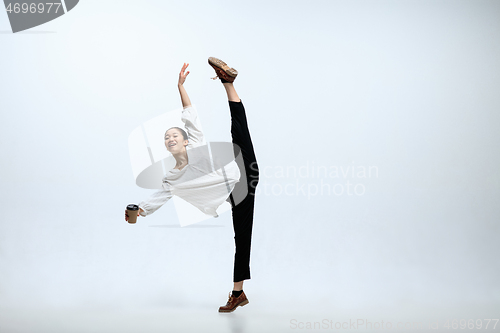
(182, 75)
(138, 213)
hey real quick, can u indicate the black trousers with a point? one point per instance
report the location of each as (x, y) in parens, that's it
(242, 206)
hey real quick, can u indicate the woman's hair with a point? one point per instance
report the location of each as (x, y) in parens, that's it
(184, 134)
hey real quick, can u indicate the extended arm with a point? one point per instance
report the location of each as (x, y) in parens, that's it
(189, 115)
(155, 201)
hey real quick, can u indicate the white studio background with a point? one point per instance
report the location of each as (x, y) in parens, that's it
(409, 88)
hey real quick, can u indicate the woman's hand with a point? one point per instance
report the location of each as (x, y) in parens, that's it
(138, 213)
(182, 76)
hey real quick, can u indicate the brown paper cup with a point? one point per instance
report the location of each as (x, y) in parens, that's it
(132, 211)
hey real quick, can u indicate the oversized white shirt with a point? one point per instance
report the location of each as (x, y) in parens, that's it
(197, 183)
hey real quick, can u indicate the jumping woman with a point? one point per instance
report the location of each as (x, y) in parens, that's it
(208, 193)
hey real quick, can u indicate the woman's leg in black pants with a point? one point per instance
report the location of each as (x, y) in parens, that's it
(242, 208)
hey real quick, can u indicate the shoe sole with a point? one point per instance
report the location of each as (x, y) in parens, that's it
(214, 62)
(241, 304)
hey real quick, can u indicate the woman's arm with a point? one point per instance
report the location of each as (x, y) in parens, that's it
(155, 201)
(189, 115)
(193, 126)
(182, 78)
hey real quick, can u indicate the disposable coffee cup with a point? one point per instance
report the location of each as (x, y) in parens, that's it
(132, 213)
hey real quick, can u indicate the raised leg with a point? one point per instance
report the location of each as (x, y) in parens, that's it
(242, 210)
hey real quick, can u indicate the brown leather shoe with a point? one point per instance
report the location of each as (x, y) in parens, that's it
(234, 302)
(222, 69)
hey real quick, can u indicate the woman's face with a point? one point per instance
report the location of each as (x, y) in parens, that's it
(174, 141)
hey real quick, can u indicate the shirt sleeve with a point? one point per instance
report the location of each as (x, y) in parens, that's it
(155, 201)
(193, 126)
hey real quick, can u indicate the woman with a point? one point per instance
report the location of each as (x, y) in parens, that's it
(207, 193)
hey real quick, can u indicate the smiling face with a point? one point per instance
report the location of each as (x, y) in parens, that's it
(174, 141)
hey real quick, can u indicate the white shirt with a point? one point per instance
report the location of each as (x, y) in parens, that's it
(197, 183)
